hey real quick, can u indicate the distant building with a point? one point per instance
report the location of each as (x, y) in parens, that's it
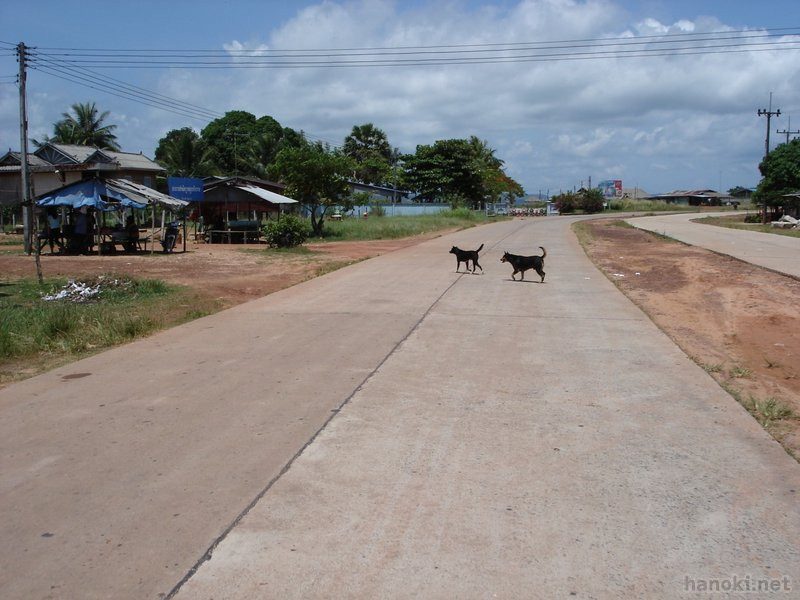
(693, 198)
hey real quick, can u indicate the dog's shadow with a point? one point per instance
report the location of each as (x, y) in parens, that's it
(525, 281)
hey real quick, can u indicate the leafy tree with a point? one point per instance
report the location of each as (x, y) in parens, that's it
(458, 171)
(314, 176)
(84, 127)
(780, 170)
(231, 138)
(245, 145)
(369, 147)
(183, 153)
(446, 169)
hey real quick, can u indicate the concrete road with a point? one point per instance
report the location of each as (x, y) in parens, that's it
(398, 430)
(777, 252)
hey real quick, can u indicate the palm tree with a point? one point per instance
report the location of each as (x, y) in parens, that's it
(183, 153)
(83, 127)
(369, 147)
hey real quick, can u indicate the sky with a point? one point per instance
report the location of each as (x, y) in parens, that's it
(658, 120)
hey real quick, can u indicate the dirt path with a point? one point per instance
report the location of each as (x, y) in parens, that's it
(738, 321)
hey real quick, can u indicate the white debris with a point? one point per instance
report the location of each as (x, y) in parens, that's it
(82, 291)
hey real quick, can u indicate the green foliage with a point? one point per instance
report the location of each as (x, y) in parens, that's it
(398, 227)
(591, 201)
(245, 145)
(566, 203)
(781, 175)
(84, 127)
(752, 218)
(369, 148)
(287, 231)
(183, 153)
(444, 170)
(316, 177)
(122, 311)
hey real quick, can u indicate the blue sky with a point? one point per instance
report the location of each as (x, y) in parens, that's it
(658, 122)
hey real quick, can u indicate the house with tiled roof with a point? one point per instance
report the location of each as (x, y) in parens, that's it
(55, 165)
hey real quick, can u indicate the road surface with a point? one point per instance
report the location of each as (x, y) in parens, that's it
(777, 252)
(396, 429)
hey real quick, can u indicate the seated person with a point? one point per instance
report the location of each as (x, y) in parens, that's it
(131, 241)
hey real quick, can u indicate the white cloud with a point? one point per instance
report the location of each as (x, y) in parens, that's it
(661, 122)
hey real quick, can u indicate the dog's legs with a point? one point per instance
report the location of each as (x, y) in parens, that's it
(475, 264)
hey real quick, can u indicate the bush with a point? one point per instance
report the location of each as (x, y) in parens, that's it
(566, 203)
(286, 231)
(752, 218)
(591, 201)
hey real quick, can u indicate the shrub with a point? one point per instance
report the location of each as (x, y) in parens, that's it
(566, 203)
(591, 201)
(286, 231)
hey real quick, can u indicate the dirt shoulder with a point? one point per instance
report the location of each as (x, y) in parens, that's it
(738, 321)
(226, 273)
(215, 277)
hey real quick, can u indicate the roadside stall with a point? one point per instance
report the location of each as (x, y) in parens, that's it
(89, 203)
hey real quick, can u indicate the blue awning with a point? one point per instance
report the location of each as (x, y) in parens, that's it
(96, 194)
(108, 195)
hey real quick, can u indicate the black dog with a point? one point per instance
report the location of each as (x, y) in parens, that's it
(523, 263)
(465, 256)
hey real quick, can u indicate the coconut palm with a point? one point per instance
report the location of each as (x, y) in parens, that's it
(83, 127)
(183, 153)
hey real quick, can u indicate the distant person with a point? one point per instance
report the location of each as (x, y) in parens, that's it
(131, 240)
(52, 231)
(80, 231)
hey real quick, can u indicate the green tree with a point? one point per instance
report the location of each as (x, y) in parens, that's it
(183, 153)
(246, 145)
(458, 171)
(780, 170)
(84, 127)
(314, 176)
(369, 147)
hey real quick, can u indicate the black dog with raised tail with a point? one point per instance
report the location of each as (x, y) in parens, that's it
(523, 263)
(465, 256)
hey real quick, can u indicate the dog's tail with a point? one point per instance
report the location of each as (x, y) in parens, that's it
(544, 252)
(479, 248)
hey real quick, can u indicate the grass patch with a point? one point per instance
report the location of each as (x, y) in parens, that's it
(383, 228)
(583, 233)
(124, 309)
(768, 411)
(740, 372)
(631, 205)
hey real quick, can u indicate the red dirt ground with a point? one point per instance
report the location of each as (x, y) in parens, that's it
(736, 320)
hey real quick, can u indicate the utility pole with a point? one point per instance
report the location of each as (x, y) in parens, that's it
(788, 131)
(763, 112)
(27, 209)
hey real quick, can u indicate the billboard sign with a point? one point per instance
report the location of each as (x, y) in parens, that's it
(611, 188)
(185, 188)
